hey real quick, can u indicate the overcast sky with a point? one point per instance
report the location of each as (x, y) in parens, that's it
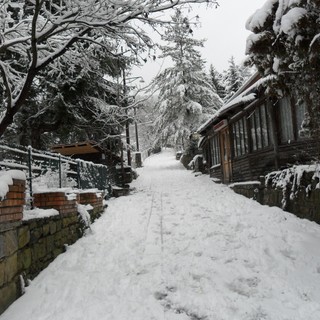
(224, 29)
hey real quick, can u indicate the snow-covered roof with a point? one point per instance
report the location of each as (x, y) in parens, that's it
(83, 147)
(243, 95)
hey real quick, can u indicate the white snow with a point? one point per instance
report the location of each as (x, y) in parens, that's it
(83, 211)
(44, 189)
(181, 247)
(290, 19)
(38, 213)
(258, 19)
(6, 180)
(244, 183)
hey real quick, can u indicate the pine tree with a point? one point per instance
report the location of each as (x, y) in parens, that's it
(233, 79)
(79, 105)
(216, 81)
(285, 45)
(186, 96)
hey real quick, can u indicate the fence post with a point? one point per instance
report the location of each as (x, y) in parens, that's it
(78, 174)
(60, 173)
(30, 175)
(101, 178)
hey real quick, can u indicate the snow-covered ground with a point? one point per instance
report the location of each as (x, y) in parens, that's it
(182, 247)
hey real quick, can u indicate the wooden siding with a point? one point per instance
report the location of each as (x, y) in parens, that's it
(301, 151)
(252, 166)
(216, 172)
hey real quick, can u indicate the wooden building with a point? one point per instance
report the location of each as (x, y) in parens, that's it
(253, 134)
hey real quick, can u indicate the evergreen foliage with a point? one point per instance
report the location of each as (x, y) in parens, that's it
(233, 79)
(284, 45)
(71, 104)
(186, 96)
(216, 79)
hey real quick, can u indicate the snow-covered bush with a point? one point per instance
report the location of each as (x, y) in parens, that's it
(293, 179)
(50, 179)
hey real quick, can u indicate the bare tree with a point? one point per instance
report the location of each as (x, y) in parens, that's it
(36, 34)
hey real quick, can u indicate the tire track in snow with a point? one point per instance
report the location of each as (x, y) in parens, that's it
(154, 246)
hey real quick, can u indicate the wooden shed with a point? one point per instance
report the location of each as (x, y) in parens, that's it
(88, 151)
(253, 134)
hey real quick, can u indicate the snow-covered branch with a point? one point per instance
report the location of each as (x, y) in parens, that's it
(34, 34)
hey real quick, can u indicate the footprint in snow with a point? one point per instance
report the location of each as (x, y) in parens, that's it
(141, 272)
(244, 286)
(288, 253)
(171, 288)
(160, 295)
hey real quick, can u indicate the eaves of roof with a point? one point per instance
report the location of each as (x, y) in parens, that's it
(243, 95)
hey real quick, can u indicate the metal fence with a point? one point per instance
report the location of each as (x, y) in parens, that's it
(57, 170)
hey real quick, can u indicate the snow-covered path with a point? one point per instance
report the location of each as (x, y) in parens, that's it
(182, 248)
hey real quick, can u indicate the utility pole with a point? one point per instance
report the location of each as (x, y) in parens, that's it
(136, 128)
(126, 110)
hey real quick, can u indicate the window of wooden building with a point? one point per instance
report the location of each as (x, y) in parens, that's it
(240, 136)
(291, 116)
(259, 132)
(286, 123)
(215, 150)
(260, 128)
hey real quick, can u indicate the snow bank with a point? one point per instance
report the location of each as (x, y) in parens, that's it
(6, 180)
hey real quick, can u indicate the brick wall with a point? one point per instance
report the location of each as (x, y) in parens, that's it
(96, 200)
(56, 200)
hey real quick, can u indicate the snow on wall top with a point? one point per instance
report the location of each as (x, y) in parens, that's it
(6, 180)
(38, 213)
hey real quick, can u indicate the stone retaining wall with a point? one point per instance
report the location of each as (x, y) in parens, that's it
(303, 200)
(27, 247)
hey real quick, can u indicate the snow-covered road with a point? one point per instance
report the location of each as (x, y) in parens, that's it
(182, 248)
